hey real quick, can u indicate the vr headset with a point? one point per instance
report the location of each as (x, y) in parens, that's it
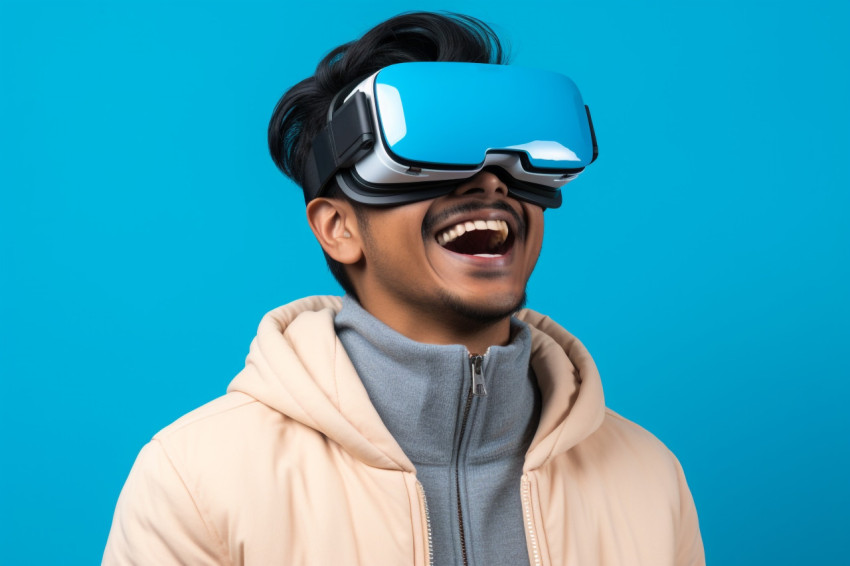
(414, 131)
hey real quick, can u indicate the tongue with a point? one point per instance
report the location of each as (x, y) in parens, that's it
(473, 243)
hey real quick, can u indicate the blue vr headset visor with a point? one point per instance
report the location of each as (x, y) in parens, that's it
(413, 131)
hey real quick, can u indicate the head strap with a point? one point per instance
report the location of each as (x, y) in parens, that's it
(346, 138)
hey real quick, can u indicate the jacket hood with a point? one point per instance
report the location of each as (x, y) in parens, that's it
(297, 366)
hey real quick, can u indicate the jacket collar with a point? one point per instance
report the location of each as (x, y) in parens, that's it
(421, 390)
(298, 366)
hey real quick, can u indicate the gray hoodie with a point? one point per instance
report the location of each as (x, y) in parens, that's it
(468, 448)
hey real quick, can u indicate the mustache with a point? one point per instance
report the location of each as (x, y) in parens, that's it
(431, 221)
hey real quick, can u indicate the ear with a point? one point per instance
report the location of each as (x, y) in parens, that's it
(335, 226)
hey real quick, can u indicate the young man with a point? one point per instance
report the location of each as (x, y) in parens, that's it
(415, 421)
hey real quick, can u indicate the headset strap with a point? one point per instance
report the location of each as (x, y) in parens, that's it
(346, 139)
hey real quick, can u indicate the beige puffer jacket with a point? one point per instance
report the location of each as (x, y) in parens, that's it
(294, 466)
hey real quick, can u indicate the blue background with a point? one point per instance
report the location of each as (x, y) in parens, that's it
(704, 259)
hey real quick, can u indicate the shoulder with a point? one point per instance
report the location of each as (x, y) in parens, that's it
(620, 456)
(228, 432)
(629, 431)
(622, 453)
(634, 442)
(626, 463)
(218, 413)
(650, 474)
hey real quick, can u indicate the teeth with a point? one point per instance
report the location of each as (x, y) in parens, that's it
(498, 226)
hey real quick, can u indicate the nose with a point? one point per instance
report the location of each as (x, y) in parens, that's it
(485, 184)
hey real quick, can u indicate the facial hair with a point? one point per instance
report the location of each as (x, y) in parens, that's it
(481, 315)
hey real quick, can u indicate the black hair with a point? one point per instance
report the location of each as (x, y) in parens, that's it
(417, 36)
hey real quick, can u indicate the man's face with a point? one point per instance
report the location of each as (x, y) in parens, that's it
(466, 256)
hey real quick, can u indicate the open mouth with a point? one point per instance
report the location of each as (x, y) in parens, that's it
(479, 238)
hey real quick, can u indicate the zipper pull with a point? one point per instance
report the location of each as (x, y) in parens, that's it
(478, 388)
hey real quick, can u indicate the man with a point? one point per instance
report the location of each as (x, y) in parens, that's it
(416, 420)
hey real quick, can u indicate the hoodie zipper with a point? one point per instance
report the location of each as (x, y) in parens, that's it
(477, 389)
(475, 362)
(530, 533)
(421, 491)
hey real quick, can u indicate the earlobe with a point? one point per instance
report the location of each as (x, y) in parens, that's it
(335, 226)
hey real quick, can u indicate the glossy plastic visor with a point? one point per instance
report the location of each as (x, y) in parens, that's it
(451, 115)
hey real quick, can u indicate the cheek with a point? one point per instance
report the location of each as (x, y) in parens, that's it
(396, 238)
(535, 234)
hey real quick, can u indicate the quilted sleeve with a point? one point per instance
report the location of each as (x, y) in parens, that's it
(157, 522)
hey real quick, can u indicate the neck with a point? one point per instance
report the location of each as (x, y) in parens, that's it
(429, 326)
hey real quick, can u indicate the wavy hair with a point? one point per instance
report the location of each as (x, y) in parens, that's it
(418, 36)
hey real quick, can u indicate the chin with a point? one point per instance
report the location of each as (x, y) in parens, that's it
(489, 311)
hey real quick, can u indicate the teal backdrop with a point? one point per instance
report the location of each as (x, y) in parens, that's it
(704, 259)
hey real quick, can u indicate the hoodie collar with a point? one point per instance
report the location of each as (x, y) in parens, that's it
(298, 366)
(420, 390)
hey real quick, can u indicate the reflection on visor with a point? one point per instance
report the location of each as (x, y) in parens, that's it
(546, 151)
(395, 127)
(452, 114)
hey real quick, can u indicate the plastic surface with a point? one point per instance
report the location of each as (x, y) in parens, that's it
(454, 113)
